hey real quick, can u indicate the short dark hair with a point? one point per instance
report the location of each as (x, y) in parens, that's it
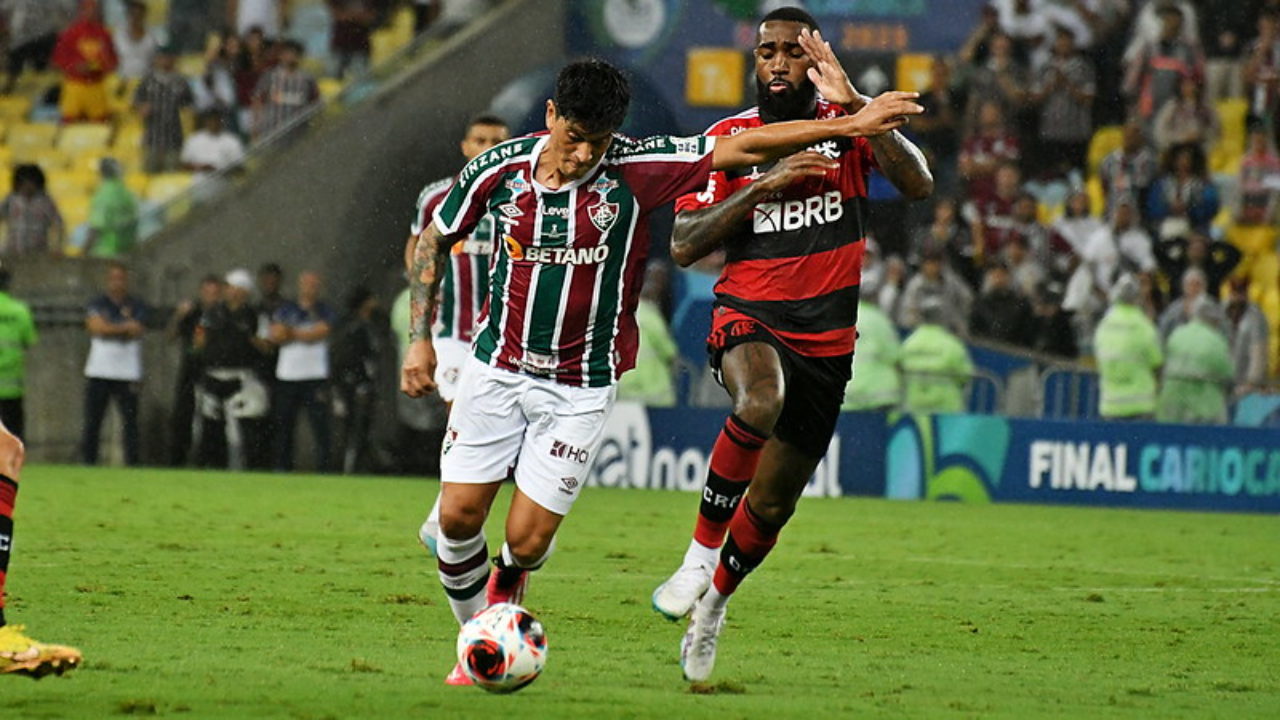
(6, 278)
(593, 94)
(486, 119)
(271, 269)
(210, 279)
(29, 173)
(791, 14)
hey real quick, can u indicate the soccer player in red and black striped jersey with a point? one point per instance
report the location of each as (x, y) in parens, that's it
(782, 333)
(559, 326)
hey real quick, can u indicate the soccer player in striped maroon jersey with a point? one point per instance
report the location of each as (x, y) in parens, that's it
(572, 205)
(464, 287)
(782, 329)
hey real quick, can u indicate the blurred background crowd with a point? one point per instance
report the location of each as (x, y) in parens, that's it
(1107, 191)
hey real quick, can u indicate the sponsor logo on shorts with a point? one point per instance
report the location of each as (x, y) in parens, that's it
(566, 451)
(788, 215)
(568, 485)
(450, 437)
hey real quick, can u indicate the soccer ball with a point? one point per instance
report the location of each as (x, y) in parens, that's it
(502, 648)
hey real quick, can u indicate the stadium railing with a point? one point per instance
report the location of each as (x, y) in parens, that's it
(1068, 393)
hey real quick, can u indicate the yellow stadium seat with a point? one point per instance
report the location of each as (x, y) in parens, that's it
(74, 209)
(402, 22)
(1232, 114)
(6, 157)
(6, 183)
(128, 138)
(14, 107)
(137, 182)
(329, 88)
(26, 139)
(385, 43)
(166, 186)
(1105, 140)
(1097, 198)
(49, 159)
(4, 129)
(80, 137)
(65, 183)
(191, 65)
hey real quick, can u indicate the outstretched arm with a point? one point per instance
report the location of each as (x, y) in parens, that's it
(770, 142)
(900, 160)
(698, 233)
(430, 253)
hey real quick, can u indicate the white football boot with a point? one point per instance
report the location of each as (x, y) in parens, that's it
(698, 648)
(674, 598)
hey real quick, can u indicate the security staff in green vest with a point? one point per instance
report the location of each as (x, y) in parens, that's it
(935, 363)
(1197, 370)
(875, 384)
(1127, 347)
(17, 335)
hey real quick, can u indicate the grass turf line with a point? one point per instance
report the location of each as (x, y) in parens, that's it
(214, 595)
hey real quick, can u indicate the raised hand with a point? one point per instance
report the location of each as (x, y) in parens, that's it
(827, 74)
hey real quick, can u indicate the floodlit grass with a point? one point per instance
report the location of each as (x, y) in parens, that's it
(213, 595)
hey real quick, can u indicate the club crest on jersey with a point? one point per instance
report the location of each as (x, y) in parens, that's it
(603, 214)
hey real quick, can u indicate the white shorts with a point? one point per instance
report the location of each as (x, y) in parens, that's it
(554, 430)
(451, 357)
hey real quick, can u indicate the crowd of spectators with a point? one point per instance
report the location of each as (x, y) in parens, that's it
(185, 94)
(1079, 143)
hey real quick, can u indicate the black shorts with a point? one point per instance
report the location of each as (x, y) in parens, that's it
(814, 388)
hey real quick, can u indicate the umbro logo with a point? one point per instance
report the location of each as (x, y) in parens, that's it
(568, 485)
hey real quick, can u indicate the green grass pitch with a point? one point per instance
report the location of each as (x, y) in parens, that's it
(214, 595)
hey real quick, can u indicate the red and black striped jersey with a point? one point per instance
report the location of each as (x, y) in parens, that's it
(797, 264)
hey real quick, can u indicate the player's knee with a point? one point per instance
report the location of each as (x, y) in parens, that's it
(530, 550)
(773, 510)
(460, 523)
(760, 407)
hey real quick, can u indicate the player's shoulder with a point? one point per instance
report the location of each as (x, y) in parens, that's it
(736, 123)
(827, 109)
(433, 189)
(497, 156)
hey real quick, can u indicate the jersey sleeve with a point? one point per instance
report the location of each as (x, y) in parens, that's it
(428, 200)
(715, 192)
(662, 168)
(460, 209)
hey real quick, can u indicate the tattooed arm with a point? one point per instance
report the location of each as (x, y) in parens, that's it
(698, 233)
(903, 164)
(430, 252)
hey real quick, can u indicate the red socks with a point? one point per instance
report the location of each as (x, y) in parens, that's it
(750, 540)
(733, 463)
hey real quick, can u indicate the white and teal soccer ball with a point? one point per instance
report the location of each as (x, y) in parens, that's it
(502, 648)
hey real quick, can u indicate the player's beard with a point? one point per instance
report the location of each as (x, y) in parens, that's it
(797, 103)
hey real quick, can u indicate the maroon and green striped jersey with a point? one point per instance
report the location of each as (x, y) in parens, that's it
(568, 263)
(464, 287)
